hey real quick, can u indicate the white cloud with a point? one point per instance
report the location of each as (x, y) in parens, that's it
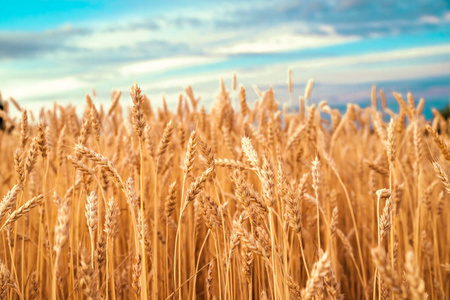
(447, 16)
(181, 82)
(393, 56)
(374, 74)
(103, 40)
(327, 29)
(283, 42)
(429, 19)
(164, 64)
(133, 36)
(43, 88)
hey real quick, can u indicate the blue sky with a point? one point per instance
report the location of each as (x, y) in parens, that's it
(60, 50)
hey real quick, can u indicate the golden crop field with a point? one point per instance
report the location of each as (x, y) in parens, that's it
(125, 201)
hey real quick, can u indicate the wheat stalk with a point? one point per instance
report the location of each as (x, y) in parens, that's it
(23, 210)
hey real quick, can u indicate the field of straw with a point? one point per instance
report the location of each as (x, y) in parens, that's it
(124, 201)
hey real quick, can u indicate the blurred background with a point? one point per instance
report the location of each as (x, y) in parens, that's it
(61, 50)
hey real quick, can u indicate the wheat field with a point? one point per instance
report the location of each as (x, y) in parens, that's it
(129, 202)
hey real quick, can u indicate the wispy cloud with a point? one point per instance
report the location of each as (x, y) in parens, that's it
(44, 88)
(159, 65)
(282, 42)
(392, 57)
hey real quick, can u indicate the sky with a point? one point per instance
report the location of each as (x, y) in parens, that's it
(61, 50)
